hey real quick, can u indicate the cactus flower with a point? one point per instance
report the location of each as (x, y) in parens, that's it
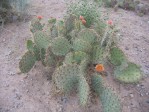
(81, 18)
(83, 21)
(99, 68)
(39, 17)
(110, 22)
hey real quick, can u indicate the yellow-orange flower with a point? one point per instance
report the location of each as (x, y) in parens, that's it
(99, 68)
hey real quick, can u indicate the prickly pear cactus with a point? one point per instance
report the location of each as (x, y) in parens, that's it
(84, 90)
(60, 46)
(81, 45)
(54, 31)
(70, 23)
(88, 35)
(97, 55)
(30, 45)
(130, 74)
(27, 62)
(109, 99)
(66, 77)
(42, 40)
(117, 57)
(50, 59)
(36, 25)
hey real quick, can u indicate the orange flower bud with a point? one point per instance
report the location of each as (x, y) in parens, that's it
(81, 18)
(110, 22)
(83, 22)
(39, 17)
(99, 68)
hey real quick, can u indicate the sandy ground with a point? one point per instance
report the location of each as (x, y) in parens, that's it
(32, 92)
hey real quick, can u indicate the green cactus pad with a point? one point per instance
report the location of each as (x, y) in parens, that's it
(66, 77)
(70, 23)
(30, 45)
(75, 57)
(110, 101)
(42, 56)
(81, 45)
(54, 31)
(108, 98)
(83, 90)
(69, 58)
(27, 62)
(61, 28)
(97, 83)
(60, 46)
(97, 55)
(36, 25)
(88, 35)
(117, 57)
(50, 58)
(36, 51)
(130, 74)
(42, 40)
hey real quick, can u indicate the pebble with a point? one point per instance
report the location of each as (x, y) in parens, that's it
(131, 95)
(126, 48)
(4, 40)
(141, 94)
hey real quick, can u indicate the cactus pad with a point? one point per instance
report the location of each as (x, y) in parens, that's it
(81, 45)
(60, 46)
(41, 40)
(50, 58)
(97, 55)
(70, 23)
(54, 31)
(27, 62)
(97, 83)
(66, 77)
(109, 99)
(130, 74)
(88, 35)
(83, 90)
(30, 45)
(36, 25)
(117, 57)
(75, 57)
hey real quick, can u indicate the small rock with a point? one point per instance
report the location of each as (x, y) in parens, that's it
(141, 94)
(126, 48)
(27, 91)
(4, 40)
(131, 95)
(147, 93)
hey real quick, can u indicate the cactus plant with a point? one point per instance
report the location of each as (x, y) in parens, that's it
(42, 40)
(84, 90)
(54, 31)
(81, 45)
(97, 55)
(60, 46)
(88, 35)
(109, 99)
(70, 23)
(36, 25)
(66, 77)
(130, 74)
(27, 62)
(50, 59)
(117, 56)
